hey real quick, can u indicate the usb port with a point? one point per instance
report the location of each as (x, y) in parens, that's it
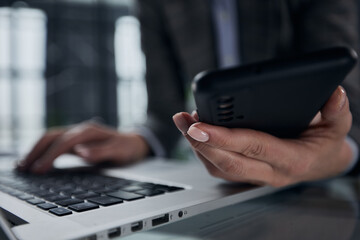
(115, 232)
(136, 226)
(160, 220)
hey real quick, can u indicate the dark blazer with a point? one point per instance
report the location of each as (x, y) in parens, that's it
(178, 42)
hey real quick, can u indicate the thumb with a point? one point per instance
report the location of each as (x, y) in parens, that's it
(336, 112)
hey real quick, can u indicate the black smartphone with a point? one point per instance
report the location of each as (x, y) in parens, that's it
(279, 97)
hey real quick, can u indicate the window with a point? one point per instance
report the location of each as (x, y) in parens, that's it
(22, 66)
(63, 62)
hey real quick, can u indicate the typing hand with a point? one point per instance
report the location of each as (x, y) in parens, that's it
(251, 156)
(93, 142)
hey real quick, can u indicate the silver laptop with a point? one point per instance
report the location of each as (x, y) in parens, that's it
(80, 203)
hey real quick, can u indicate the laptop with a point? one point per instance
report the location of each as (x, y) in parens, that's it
(81, 202)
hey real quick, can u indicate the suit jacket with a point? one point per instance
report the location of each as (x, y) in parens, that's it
(178, 42)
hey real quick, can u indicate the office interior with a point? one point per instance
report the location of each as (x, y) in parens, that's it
(63, 62)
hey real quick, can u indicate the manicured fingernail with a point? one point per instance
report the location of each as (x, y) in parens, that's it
(180, 122)
(195, 115)
(342, 98)
(198, 134)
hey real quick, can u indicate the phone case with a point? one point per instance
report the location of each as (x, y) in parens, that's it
(279, 97)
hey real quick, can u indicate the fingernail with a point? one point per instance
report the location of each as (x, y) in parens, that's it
(342, 97)
(180, 122)
(82, 151)
(198, 134)
(195, 115)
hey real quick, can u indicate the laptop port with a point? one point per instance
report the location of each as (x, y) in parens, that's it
(136, 226)
(160, 220)
(115, 232)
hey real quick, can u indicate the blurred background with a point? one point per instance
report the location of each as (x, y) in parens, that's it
(66, 61)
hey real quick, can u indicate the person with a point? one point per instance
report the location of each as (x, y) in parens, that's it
(181, 38)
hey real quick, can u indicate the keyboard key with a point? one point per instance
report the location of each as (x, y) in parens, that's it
(80, 207)
(46, 186)
(105, 190)
(62, 188)
(33, 191)
(150, 192)
(167, 188)
(43, 193)
(132, 188)
(76, 191)
(35, 201)
(86, 195)
(133, 182)
(24, 196)
(125, 195)
(105, 200)
(57, 190)
(55, 198)
(147, 185)
(161, 187)
(9, 191)
(60, 211)
(95, 187)
(100, 190)
(69, 201)
(111, 188)
(117, 185)
(46, 206)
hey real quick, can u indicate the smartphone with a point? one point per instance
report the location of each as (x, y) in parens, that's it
(279, 97)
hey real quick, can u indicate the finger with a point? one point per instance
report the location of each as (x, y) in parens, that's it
(250, 143)
(336, 112)
(39, 149)
(183, 121)
(215, 172)
(98, 152)
(195, 115)
(233, 166)
(209, 166)
(80, 134)
(316, 120)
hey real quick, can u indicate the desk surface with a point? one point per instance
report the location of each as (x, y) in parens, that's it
(322, 210)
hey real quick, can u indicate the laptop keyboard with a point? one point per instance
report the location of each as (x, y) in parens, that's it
(63, 193)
